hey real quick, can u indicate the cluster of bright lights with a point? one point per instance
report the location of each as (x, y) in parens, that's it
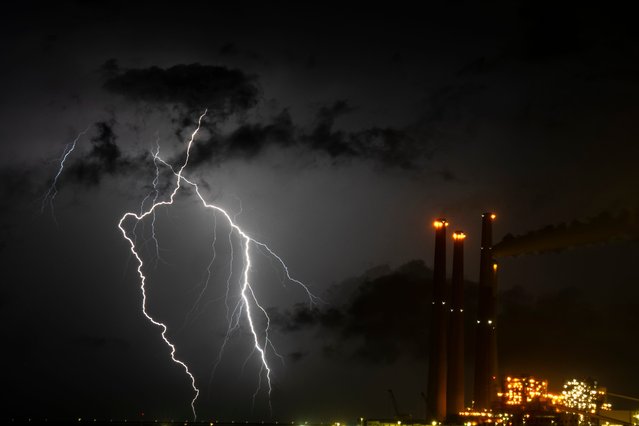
(441, 223)
(523, 390)
(554, 399)
(584, 396)
(476, 413)
(458, 235)
(475, 417)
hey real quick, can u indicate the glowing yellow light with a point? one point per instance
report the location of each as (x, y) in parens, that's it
(458, 235)
(440, 223)
(494, 267)
(493, 216)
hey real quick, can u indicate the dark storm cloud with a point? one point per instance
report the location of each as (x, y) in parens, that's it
(383, 146)
(383, 318)
(297, 356)
(447, 175)
(324, 138)
(601, 229)
(386, 316)
(222, 90)
(228, 49)
(105, 149)
(26, 183)
(104, 158)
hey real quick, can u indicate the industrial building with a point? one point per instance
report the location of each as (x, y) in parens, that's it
(522, 400)
(515, 400)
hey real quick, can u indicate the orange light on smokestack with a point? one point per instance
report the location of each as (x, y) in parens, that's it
(458, 235)
(440, 223)
(494, 267)
(493, 216)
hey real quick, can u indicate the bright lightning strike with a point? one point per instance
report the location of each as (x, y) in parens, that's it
(248, 302)
(49, 196)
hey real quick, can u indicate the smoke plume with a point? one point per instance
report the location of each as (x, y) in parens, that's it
(600, 229)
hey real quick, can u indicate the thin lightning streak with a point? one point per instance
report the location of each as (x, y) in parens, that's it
(228, 279)
(156, 156)
(247, 295)
(53, 189)
(233, 324)
(208, 275)
(257, 390)
(155, 193)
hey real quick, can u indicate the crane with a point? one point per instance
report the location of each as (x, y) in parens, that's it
(398, 415)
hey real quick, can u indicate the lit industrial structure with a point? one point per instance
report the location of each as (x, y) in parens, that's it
(446, 396)
(522, 390)
(515, 401)
(584, 396)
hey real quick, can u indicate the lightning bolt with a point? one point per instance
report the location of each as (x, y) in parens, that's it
(49, 196)
(248, 303)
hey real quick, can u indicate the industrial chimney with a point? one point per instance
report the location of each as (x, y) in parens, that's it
(492, 343)
(486, 342)
(437, 348)
(455, 386)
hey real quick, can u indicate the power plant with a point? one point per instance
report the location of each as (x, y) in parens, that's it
(446, 395)
(513, 401)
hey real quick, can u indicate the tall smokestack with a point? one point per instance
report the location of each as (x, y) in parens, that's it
(455, 386)
(437, 348)
(492, 342)
(485, 348)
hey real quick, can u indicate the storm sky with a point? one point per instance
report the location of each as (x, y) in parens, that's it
(335, 135)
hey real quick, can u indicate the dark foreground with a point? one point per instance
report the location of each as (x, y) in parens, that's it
(86, 422)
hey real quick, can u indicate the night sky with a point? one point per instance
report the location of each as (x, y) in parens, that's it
(335, 135)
